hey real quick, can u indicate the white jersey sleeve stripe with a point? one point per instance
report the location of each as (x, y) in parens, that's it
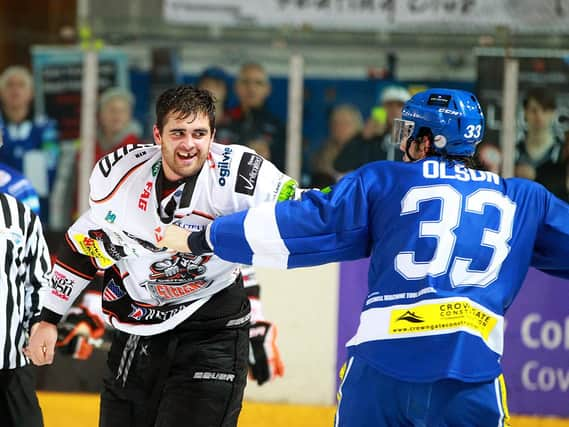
(263, 235)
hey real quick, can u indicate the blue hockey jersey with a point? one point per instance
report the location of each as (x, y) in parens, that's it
(36, 136)
(17, 185)
(449, 246)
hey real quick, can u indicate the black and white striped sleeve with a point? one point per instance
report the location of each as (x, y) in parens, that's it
(38, 269)
(24, 273)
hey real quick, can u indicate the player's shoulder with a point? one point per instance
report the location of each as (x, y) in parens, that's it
(384, 170)
(12, 203)
(523, 188)
(233, 150)
(227, 162)
(118, 165)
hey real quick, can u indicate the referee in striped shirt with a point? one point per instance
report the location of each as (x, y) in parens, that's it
(24, 276)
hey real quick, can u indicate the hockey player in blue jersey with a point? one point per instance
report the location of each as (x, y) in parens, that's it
(450, 247)
(17, 185)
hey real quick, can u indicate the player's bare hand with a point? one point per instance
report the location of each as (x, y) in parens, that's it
(175, 238)
(41, 348)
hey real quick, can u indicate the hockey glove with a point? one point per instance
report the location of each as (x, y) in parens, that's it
(78, 331)
(265, 362)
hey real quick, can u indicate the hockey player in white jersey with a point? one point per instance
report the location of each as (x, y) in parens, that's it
(181, 348)
(450, 246)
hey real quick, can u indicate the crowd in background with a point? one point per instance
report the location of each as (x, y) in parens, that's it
(355, 137)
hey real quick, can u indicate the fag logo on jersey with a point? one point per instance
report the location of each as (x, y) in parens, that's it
(145, 196)
(248, 173)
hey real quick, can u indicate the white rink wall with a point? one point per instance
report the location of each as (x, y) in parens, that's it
(303, 303)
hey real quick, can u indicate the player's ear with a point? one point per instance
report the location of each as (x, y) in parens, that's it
(156, 135)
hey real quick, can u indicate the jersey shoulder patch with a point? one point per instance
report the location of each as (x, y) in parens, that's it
(236, 167)
(247, 173)
(113, 169)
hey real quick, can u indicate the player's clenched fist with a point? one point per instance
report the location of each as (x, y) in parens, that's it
(175, 238)
(181, 240)
(41, 347)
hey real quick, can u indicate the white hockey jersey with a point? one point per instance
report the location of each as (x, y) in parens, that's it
(157, 289)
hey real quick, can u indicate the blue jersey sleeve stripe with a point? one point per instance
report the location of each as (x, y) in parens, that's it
(228, 238)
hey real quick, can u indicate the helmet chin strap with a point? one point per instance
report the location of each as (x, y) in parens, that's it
(420, 138)
(407, 147)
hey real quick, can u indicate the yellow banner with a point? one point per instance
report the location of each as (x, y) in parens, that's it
(450, 315)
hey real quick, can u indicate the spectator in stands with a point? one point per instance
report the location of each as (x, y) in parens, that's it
(345, 122)
(489, 157)
(251, 123)
(539, 153)
(374, 142)
(116, 124)
(116, 127)
(215, 80)
(30, 141)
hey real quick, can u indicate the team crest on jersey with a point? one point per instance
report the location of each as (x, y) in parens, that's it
(176, 277)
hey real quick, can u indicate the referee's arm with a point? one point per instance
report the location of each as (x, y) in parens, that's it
(71, 273)
(38, 271)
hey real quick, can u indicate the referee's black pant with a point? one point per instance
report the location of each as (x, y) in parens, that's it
(19, 405)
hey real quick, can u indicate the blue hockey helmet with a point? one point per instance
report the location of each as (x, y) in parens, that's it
(453, 116)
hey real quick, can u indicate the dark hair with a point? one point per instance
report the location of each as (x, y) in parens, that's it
(542, 96)
(468, 161)
(213, 73)
(185, 100)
